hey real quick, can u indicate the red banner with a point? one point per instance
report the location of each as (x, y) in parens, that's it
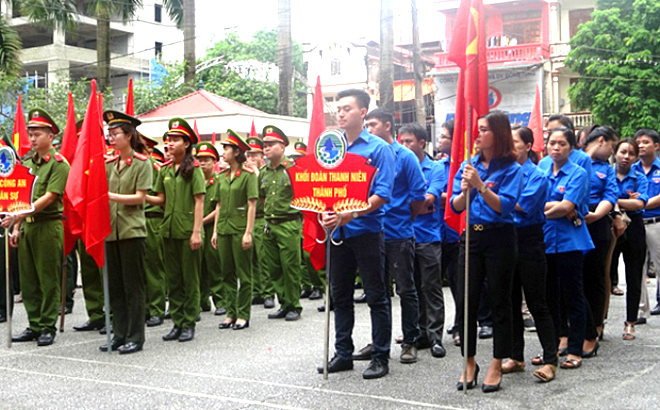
(16, 184)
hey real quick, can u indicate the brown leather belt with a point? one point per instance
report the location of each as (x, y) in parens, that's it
(153, 214)
(42, 218)
(278, 221)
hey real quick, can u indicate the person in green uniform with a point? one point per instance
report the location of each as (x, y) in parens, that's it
(40, 235)
(129, 179)
(283, 225)
(237, 193)
(210, 277)
(180, 187)
(92, 286)
(263, 291)
(154, 267)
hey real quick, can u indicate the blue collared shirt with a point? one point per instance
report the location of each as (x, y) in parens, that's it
(603, 183)
(581, 159)
(504, 179)
(634, 181)
(449, 235)
(381, 155)
(408, 186)
(561, 235)
(653, 187)
(532, 198)
(428, 226)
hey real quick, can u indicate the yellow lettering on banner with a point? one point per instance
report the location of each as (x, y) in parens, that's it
(7, 183)
(339, 177)
(358, 176)
(322, 192)
(341, 192)
(13, 195)
(22, 183)
(4, 196)
(302, 176)
(319, 177)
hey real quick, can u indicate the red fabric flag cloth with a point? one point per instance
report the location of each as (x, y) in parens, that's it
(468, 51)
(213, 138)
(312, 229)
(536, 122)
(196, 131)
(20, 136)
(130, 109)
(87, 186)
(253, 130)
(68, 151)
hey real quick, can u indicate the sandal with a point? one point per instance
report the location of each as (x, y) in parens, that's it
(517, 367)
(617, 291)
(538, 360)
(571, 364)
(545, 377)
(629, 332)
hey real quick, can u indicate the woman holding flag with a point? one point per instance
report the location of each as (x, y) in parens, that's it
(494, 182)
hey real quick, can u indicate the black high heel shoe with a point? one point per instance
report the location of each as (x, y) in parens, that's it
(490, 388)
(471, 384)
(593, 353)
(227, 325)
(241, 326)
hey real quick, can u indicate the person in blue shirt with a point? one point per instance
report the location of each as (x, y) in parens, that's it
(530, 273)
(362, 245)
(408, 195)
(649, 165)
(494, 182)
(603, 195)
(566, 240)
(428, 240)
(632, 194)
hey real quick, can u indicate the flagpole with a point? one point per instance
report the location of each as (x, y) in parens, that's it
(8, 291)
(106, 303)
(63, 287)
(326, 351)
(466, 274)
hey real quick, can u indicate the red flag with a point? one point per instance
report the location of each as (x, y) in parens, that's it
(68, 151)
(312, 230)
(130, 109)
(253, 130)
(20, 136)
(196, 132)
(536, 122)
(213, 138)
(468, 51)
(87, 186)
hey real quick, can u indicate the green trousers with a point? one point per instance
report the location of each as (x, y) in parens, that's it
(210, 281)
(126, 284)
(182, 266)
(71, 277)
(262, 283)
(236, 267)
(310, 278)
(40, 262)
(92, 282)
(282, 252)
(154, 268)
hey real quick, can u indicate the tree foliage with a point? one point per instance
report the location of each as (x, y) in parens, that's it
(10, 47)
(618, 56)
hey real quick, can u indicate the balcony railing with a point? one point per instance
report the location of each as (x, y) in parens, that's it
(558, 50)
(580, 119)
(520, 52)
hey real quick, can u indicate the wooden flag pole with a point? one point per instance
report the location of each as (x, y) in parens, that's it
(63, 291)
(466, 274)
(106, 302)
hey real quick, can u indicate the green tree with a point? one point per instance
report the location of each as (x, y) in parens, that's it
(10, 47)
(618, 56)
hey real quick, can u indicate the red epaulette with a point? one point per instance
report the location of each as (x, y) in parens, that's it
(140, 156)
(168, 162)
(197, 164)
(58, 157)
(247, 168)
(110, 159)
(157, 166)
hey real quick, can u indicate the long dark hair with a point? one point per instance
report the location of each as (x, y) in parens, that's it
(136, 142)
(567, 133)
(501, 127)
(188, 164)
(629, 141)
(527, 136)
(239, 155)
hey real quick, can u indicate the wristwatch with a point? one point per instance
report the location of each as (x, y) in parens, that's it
(483, 189)
(355, 215)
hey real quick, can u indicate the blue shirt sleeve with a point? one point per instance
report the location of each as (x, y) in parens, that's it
(415, 178)
(534, 193)
(642, 187)
(438, 181)
(576, 188)
(510, 189)
(383, 159)
(456, 189)
(611, 193)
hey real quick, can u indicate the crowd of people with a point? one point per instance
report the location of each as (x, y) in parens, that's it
(193, 229)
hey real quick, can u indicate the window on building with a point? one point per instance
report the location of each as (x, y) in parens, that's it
(577, 17)
(159, 49)
(522, 27)
(158, 13)
(335, 67)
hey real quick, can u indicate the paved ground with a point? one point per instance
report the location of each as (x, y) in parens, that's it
(273, 365)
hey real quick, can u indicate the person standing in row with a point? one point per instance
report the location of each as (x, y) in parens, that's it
(129, 178)
(236, 194)
(283, 225)
(180, 187)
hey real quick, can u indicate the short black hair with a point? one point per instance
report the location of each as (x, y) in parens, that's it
(361, 97)
(563, 120)
(381, 115)
(567, 133)
(415, 129)
(449, 125)
(653, 134)
(606, 132)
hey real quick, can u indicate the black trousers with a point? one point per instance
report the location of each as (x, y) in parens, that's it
(530, 276)
(428, 280)
(633, 246)
(594, 275)
(493, 254)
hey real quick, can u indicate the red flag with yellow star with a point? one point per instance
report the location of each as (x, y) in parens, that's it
(68, 151)
(87, 186)
(468, 51)
(20, 136)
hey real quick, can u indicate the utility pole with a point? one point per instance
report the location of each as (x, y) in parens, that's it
(386, 69)
(418, 69)
(284, 58)
(189, 43)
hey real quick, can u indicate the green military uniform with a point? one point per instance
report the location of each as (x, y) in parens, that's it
(126, 245)
(153, 259)
(283, 228)
(92, 282)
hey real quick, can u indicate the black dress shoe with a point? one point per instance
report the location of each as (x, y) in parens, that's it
(451, 329)
(641, 320)
(130, 347)
(361, 299)
(337, 364)
(316, 294)
(375, 370)
(173, 335)
(114, 344)
(187, 334)
(226, 325)
(257, 300)
(168, 315)
(656, 310)
(486, 332)
(95, 325)
(243, 326)
(27, 335)
(364, 353)
(322, 307)
(305, 293)
(3, 318)
(437, 350)
(154, 321)
(206, 308)
(269, 303)
(104, 331)
(278, 314)
(46, 338)
(292, 315)
(220, 311)
(490, 388)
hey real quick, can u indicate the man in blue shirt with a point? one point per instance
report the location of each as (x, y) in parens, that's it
(649, 165)
(428, 241)
(362, 245)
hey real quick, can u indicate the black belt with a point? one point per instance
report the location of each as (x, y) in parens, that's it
(42, 218)
(153, 214)
(488, 227)
(650, 221)
(278, 221)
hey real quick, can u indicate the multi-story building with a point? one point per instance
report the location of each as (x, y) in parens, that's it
(526, 45)
(52, 55)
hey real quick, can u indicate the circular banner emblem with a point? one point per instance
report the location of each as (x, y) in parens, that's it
(7, 161)
(494, 97)
(330, 148)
